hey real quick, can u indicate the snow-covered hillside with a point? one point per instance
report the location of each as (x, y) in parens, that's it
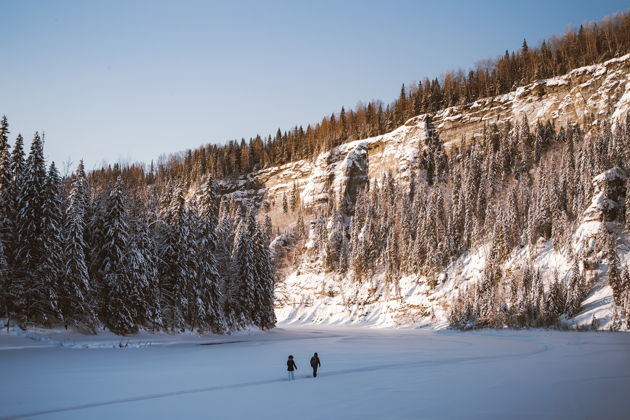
(305, 293)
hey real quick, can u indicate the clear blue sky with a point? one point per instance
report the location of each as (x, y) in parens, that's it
(131, 80)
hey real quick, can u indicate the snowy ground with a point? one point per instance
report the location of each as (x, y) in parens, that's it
(365, 374)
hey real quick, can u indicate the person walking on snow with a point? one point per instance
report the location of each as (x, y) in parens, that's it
(315, 363)
(291, 366)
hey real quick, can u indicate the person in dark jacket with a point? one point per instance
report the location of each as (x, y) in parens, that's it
(315, 363)
(291, 366)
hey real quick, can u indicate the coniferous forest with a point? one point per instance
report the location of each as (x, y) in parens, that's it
(125, 259)
(129, 246)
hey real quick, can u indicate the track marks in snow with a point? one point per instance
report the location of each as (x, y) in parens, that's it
(139, 398)
(540, 348)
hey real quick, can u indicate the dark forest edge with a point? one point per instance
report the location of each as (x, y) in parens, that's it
(74, 256)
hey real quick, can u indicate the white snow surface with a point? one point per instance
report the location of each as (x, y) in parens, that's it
(365, 374)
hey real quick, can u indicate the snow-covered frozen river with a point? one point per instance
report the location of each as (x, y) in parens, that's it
(365, 374)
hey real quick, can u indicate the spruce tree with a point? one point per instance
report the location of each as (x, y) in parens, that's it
(285, 205)
(224, 243)
(295, 197)
(30, 235)
(243, 288)
(143, 274)
(5, 182)
(614, 273)
(18, 173)
(117, 291)
(576, 291)
(75, 297)
(51, 269)
(210, 283)
(265, 279)
(6, 226)
(174, 267)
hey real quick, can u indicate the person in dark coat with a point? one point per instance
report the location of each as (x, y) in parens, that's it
(315, 363)
(291, 366)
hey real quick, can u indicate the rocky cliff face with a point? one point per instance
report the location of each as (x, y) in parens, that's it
(608, 202)
(585, 96)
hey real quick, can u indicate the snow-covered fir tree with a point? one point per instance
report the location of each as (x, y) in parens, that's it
(76, 299)
(33, 304)
(117, 291)
(243, 287)
(50, 271)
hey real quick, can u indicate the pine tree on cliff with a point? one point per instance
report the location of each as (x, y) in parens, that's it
(525, 147)
(295, 197)
(392, 258)
(285, 204)
(614, 273)
(576, 291)
(556, 300)
(75, 296)
(117, 291)
(334, 240)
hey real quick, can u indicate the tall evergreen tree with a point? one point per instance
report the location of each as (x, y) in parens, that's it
(117, 290)
(18, 173)
(6, 227)
(175, 271)
(76, 301)
(29, 233)
(265, 279)
(5, 181)
(143, 274)
(51, 269)
(244, 287)
(210, 283)
(224, 243)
